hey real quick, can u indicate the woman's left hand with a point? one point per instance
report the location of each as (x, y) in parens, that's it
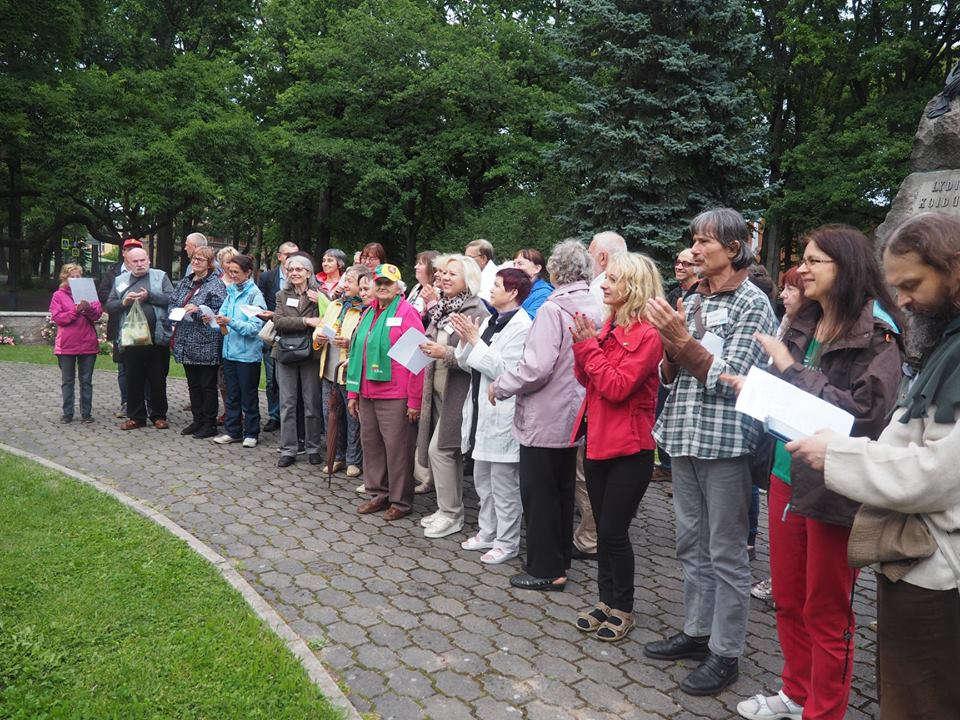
(583, 328)
(434, 350)
(222, 320)
(468, 329)
(312, 322)
(83, 306)
(413, 414)
(312, 295)
(779, 354)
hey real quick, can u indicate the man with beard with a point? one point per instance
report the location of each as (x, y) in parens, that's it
(909, 483)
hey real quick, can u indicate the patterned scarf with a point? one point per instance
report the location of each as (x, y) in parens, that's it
(445, 306)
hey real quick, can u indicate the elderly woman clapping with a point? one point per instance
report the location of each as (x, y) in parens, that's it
(445, 388)
(548, 401)
(486, 352)
(298, 365)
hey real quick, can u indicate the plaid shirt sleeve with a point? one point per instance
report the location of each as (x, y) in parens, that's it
(740, 350)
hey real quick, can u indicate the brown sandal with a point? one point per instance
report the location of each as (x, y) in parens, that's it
(616, 626)
(589, 621)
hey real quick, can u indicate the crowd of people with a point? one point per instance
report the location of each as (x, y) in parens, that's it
(570, 383)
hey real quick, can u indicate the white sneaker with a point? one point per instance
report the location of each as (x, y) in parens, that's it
(428, 520)
(774, 707)
(497, 555)
(250, 442)
(362, 489)
(475, 543)
(225, 439)
(442, 527)
(353, 471)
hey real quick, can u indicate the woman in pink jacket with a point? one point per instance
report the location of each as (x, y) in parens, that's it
(76, 346)
(386, 397)
(617, 365)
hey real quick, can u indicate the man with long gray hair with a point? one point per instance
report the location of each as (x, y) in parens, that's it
(710, 443)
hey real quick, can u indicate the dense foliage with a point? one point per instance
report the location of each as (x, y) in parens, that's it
(424, 123)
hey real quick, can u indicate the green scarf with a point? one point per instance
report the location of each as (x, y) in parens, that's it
(938, 381)
(378, 364)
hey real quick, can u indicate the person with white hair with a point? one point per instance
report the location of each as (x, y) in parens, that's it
(481, 252)
(602, 247)
(445, 388)
(298, 368)
(548, 400)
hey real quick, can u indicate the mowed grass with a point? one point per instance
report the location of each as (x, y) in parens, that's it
(43, 355)
(105, 615)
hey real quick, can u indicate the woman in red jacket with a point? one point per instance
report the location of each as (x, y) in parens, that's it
(618, 367)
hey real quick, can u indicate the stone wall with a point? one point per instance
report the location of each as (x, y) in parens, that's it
(29, 325)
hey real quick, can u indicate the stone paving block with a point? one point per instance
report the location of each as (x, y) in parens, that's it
(383, 599)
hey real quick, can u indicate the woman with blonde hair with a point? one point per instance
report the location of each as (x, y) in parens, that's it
(445, 388)
(617, 365)
(76, 346)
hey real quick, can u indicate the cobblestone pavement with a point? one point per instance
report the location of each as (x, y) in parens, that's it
(414, 628)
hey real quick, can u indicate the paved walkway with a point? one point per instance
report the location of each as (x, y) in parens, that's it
(414, 628)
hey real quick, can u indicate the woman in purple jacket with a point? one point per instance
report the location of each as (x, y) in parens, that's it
(76, 346)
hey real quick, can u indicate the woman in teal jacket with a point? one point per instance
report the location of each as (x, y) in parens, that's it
(242, 353)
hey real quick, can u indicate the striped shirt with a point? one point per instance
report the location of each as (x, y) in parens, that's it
(698, 418)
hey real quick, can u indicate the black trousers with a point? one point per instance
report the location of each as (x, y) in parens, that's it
(616, 487)
(202, 380)
(547, 479)
(146, 365)
(918, 641)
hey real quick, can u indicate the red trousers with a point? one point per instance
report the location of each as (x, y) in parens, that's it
(812, 588)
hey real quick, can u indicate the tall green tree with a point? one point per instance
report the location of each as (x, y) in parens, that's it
(664, 125)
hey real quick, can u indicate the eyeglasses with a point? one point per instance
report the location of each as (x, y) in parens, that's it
(813, 262)
(681, 263)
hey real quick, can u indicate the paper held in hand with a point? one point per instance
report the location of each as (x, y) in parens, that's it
(788, 412)
(407, 352)
(251, 311)
(83, 289)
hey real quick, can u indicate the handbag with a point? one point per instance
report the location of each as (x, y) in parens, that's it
(267, 333)
(293, 349)
(894, 540)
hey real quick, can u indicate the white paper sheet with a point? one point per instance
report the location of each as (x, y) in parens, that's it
(789, 412)
(83, 289)
(176, 315)
(328, 331)
(209, 316)
(407, 352)
(251, 311)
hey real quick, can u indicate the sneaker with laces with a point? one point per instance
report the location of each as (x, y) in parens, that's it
(774, 707)
(496, 556)
(476, 543)
(249, 442)
(353, 471)
(442, 527)
(763, 590)
(226, 439)
(428, 520)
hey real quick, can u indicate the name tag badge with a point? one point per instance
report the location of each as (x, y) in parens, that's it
(713, 343)
(293, 302)
(394, 322)
(121, 287)
(717, 317)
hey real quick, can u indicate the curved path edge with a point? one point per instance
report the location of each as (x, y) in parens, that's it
(316, 671)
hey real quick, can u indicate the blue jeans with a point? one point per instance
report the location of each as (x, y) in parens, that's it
(70, 366)
(243, 399)
(348, 434)
(273, 390)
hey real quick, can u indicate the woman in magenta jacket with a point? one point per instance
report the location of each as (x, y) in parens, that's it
(618, 367)
(76, 346)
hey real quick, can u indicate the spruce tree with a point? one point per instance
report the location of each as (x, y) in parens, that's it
(664, 125)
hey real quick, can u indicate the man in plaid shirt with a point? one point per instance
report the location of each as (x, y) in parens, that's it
(710, 444)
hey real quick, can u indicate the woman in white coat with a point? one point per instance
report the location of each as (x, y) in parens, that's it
(486, 350)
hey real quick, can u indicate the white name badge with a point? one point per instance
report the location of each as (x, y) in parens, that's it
(717, 317)
(122, 286)
(394, 322)
(293, 302)
(713, 343)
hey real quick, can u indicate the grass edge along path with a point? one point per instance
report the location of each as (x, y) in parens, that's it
(104, 614)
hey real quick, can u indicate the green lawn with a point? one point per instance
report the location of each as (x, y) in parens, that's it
(43, 355)
(105, 615)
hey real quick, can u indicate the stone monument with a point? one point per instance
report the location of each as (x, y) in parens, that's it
(934, 180)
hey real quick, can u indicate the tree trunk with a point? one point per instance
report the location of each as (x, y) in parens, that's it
(15, 223)
(323, 221)
(165, 244)
(772, 246)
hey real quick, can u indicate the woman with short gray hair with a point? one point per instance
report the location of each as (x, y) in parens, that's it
(548, 401)
(294, 319)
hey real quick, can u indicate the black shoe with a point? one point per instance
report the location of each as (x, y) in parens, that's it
(712, 675)
(66, 418)
(205, 432)
(678, 647)
(579, 554)
(271, 425)
(315, 459)
(529, 582)
(286, 461)
(301, 448)
(190, 429)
